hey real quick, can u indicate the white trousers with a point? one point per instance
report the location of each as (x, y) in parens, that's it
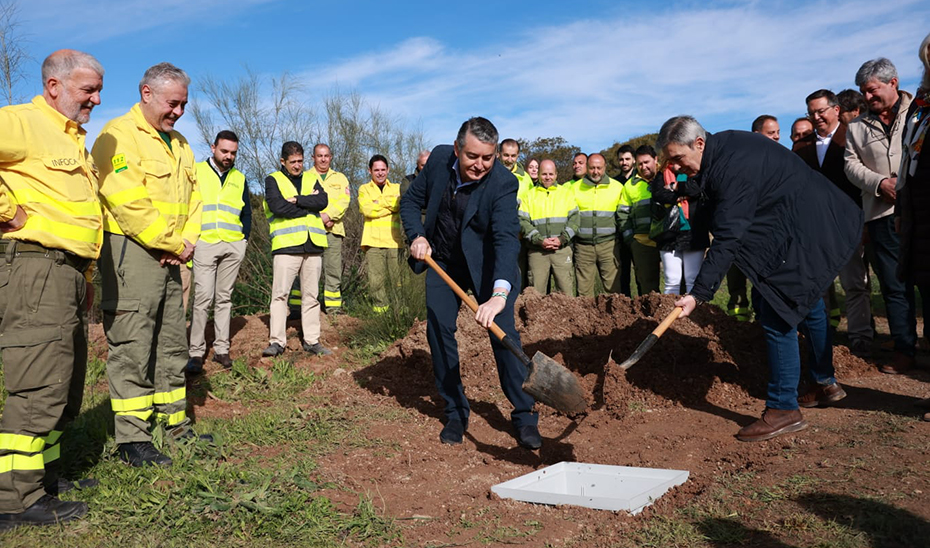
(677, 265)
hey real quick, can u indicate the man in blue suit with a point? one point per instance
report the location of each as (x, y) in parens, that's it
(472, 231)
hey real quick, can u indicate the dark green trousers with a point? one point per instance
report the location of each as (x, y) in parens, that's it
(143, 316)
(44, 348)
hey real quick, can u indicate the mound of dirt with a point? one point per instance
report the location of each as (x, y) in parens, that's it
(708, 358)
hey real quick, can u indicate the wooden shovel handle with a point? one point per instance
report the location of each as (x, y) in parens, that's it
(498, 332)
(672, 316)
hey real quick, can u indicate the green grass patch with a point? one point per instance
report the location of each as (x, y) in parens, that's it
(245, 383)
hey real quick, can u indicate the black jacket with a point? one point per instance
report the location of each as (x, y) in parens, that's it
(912, 205)
(490, 227)
(310, 204)
(696, 239)
(785, 226)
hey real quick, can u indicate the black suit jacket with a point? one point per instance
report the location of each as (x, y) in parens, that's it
(490, 228)
(833, 161)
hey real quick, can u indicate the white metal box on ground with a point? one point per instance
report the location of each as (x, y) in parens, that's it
(596, 486)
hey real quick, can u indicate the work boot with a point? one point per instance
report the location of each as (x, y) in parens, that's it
(774, 422)
(316, 349)
(452, 432)
(140, 453)
(901, 364)
(194, 366)
(46, 511)
(528, 437)
(822, 395)
(223, 359)
(274, 349)
(60, 485)
(861, 348)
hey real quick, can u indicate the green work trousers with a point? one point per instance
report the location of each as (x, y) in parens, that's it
(383, 273)
(143, 317)
(593, 260)
(738, 305)
(332, 272)
(558, 263)
(646, 266)
(44, 348)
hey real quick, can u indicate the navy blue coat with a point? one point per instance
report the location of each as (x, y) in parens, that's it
(785, 226)
(490, 229)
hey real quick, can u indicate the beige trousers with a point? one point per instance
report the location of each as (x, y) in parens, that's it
(286, 268)
(559, 263)
(216, 267)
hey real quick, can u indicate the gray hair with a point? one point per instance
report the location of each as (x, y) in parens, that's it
(925, 81)
(481, 128)
(880, 69)
(681, 130)
(60, 64)
(156, 75)
(423, 153)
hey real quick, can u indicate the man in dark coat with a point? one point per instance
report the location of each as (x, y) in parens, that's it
(472, 231)
(789, 230)
(824, 151)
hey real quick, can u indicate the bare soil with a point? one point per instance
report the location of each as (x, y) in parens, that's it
(678, 408)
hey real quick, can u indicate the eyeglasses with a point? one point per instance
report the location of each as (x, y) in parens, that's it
(818, 112)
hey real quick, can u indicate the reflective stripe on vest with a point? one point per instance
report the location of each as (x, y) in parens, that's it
(597, 205)
(294, 232)
(222, 205)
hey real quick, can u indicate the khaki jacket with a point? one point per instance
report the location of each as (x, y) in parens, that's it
(872, 157)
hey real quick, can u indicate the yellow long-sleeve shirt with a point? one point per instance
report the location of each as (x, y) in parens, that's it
(149, 191)
(337, 189)
(46, 170)
(380, 206)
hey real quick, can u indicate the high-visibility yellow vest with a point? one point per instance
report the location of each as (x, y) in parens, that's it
(524, 181)
(294, 232)
(380, 207)
(597, 205)
(45, 169)
(635, 212)
(546, 212)
(222, 205)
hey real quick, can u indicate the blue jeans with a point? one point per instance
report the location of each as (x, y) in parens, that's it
(781, 341)
(882, 250)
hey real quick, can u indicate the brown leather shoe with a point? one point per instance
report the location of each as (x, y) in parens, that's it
(774, 422)
(822, 395)
(927, 417)
(901, 364)
(223, 359)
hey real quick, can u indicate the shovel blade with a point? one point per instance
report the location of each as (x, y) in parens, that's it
(554, 385)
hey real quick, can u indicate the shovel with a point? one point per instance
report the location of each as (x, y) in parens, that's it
(547, 381)
(650, 341)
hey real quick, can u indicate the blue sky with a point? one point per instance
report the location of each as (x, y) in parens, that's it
(594, 72)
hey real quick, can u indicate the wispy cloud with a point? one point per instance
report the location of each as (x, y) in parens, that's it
(93, 21)
(595, 81)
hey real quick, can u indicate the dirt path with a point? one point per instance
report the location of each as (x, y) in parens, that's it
(678, 408)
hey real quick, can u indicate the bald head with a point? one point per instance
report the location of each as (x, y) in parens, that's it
(71, 83)
(596, 167)
(547, 173)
